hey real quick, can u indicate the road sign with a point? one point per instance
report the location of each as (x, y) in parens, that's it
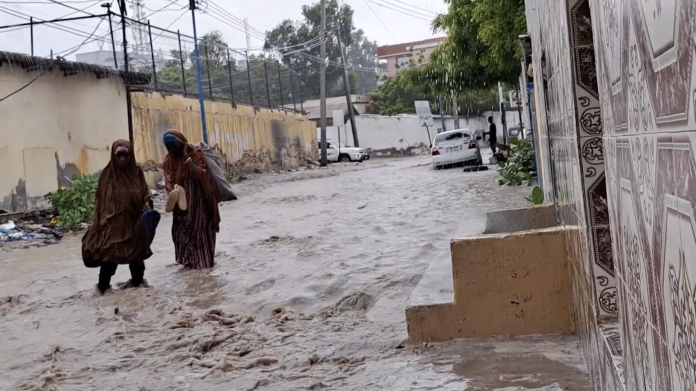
(425, 116)
(338, 118)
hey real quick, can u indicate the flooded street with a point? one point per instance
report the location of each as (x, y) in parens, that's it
(313, 272)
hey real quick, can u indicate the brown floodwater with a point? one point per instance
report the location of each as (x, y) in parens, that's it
(313, 272)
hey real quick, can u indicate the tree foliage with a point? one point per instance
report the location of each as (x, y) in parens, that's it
(397, 95)
(481, 48)
(266, 81)
(361, 53)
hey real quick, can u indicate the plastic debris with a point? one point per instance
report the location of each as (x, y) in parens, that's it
(30, 234)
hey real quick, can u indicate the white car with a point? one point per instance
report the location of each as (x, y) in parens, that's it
(455, 147)
(338, 153)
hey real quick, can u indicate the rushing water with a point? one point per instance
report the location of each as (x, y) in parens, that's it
(313, 272)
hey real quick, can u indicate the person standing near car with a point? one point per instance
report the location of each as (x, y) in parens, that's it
(492, 134)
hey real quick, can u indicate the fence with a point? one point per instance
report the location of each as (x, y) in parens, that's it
(168, 57)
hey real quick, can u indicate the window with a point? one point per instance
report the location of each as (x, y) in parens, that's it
(442, 137)
(403, 62)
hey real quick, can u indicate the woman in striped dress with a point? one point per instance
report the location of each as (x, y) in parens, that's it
(193, 230)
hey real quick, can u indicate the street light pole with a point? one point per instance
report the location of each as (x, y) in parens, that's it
(199, 79)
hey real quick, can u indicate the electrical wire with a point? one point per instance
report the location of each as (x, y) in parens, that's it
(231, 25)
(224, 11)
(27, 17)
(84, 10)
(380, 20)
(23, 87)
(45, 2)
(419, 9)
(401, 11)
(164, 9)
(164, 30)
(234, 21)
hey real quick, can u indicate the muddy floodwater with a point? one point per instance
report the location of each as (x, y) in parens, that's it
(313, 272)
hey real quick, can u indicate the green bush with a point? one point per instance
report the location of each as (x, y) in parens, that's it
(75, 204)
(537, 196)
(520, 168)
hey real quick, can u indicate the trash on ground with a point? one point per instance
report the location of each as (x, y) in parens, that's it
(31, 234)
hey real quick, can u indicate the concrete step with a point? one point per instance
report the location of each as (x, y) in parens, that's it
(496, 283)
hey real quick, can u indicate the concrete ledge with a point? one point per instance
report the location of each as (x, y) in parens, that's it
(503, 284)
(523, 219)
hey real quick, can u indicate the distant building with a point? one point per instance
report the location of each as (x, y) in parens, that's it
(399, 56)
(105, 58)
(313, 109)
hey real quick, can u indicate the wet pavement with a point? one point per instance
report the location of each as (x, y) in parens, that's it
(313, 272)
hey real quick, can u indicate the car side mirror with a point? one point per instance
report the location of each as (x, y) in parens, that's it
(478, 138)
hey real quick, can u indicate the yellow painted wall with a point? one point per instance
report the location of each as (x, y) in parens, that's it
(249, 139)
(56, 127)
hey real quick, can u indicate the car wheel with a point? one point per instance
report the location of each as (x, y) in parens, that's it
(344, 159)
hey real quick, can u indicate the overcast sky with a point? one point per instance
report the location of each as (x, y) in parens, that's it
(380, 23)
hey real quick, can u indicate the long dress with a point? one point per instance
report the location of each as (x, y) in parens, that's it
(194, 230)
(117, 233)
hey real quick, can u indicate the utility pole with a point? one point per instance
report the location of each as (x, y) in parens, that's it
(503, 120)
(322, 85)
(455, 111)
(442, 114)
(346, 87)
(199, 81)
(126, 67)
(111, 32)
(246, 31)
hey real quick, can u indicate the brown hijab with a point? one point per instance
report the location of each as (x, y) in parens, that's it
(175, 173)
(116, 233)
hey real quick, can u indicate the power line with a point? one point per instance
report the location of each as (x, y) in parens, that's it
(223, 11)
(413, 6)
(402, 11)
(380, 20)
(233, 26)
(24, 86)
(45, 2)
(76, 9)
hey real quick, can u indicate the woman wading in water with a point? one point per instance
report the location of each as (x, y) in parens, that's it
(124, 220)
(194, 229)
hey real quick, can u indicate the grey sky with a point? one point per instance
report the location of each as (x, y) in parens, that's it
(263, 15)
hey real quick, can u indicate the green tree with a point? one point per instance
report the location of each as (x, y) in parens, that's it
(361, 56)
(481, 48)
(288, 37)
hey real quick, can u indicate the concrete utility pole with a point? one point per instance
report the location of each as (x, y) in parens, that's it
(199, 81)
(346, 87)
(126, 67)
(246, 31)
(503, 120)
(322, 85)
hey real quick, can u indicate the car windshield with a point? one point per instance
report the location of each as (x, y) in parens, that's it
(449, 136)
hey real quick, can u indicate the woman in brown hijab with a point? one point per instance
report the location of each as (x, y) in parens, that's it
(195, 229)
(124, 220)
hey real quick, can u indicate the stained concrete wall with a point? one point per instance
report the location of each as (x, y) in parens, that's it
(400, 135)
(56, 127)
(250, 139)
